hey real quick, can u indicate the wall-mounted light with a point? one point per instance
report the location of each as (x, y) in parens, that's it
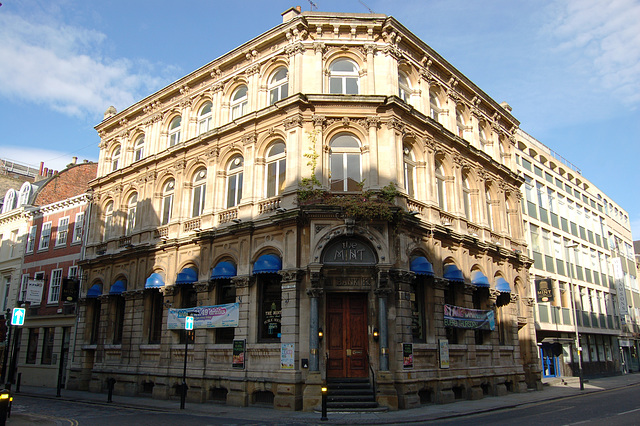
(320, 334)
(236, 220)
(376, 334)
(280, 210)
(414, 213)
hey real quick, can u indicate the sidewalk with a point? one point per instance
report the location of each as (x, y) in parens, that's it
(553, 389)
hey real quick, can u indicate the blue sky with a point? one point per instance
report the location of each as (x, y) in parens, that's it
(570, 69)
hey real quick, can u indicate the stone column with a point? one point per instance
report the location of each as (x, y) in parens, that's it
(312, 395)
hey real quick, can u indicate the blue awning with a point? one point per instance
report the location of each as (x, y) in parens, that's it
(479, 279)
(421, 266)
(118, 287)
(267, 264)
(223, 269)
(502, 285)
(155, 280)
(94, 291)
(453, 274)
(187, 276)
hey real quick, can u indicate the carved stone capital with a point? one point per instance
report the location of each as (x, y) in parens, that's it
(202, 287)
(401, 276)
(133, 294)
(292, 275)
(315, 292)
(241, 282)
(318, 120)
(291, 122)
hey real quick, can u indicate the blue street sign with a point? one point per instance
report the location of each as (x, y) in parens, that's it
(188, 323)
(17, 317)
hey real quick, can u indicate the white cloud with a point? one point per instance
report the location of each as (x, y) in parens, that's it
(604, 40)
(61, 66)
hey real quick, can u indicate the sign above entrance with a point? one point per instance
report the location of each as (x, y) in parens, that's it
(348, 252)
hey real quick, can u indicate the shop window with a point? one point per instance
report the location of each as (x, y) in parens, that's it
(235, 173)
(346, 169)
(167, 201)
(32, 345)
(278, 85)
(132, 207)
(226, 293)
(418, 318)
(276, 169)
(47, 345)
(344, 77)
(480, 301)
(239, 102)
(174, 131)
(117, 315)
(199, 192)
(155, 301)
(409, 171)
(204, 118)
(93, 312)
(270, 307)
(138, 149)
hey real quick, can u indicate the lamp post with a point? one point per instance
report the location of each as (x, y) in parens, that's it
(575, 315)
(188, 327)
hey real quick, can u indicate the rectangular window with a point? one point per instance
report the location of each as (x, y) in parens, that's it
(155, 319)
(32, 345)
(270, 307)
(118, 318)
(537, 170)
(526, 164)
(45, 236)
(73, 272)
(47, 345)
(548, 177)
(77, 228)
(7, 287)
(63, 230)
(31, 239)
(54, 286)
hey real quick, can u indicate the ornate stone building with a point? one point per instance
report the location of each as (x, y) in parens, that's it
(331, 200)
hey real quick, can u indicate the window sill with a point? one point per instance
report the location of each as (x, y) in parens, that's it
(92, 347)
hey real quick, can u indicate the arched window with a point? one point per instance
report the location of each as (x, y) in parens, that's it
(199, 192)
(276, 169)
(344, 77)
(204, 118)
(460, 125)
(466, 197)
(167, 201)
(346, 170)
(404, 87)
(483, 136)
(108, 221)
(234, 181)
(138, 148)
(434, 105)
(132, 206)
(278, 85)
(489, 209)
(441, 190)
(25, 192)
(115, 159)
(409, 171)
(239, 102)
(9, 201)
(174, 131)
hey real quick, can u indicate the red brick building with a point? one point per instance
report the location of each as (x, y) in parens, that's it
(53, 248)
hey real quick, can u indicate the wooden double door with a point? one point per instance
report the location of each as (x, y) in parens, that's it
(347, 335)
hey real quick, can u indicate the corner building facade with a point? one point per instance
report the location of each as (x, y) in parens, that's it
(333, 176)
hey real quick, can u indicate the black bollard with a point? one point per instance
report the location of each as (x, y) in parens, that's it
(110, 383)
(183, 394)
(4, 406)
(324, 417)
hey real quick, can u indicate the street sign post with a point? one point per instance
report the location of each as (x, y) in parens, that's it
(188, 323)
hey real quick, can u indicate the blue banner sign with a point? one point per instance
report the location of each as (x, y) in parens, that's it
(475, 319)
(205, 316)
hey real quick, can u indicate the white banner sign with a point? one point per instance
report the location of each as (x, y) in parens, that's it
(618, 277)
(34, 291)
(205, 316)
